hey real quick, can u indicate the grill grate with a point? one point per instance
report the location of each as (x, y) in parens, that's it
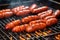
(37, 35)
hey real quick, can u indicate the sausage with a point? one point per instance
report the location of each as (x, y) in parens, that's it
(19, 28)
(57, 13)
(40, 9)
(45, 14)
(16, 9)
(48, 17)
(39, 14)
(29, 18)
(36, 21)
(22, 13)
(5, 13)
(12, 24)
(21, 10)
(33, 6)
(35, 27)
(51, 21)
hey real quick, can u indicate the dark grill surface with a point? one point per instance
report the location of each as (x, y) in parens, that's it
(37, 35)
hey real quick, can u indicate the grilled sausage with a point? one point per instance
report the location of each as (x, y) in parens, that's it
(35, 27)
(29, 18)
(40, 9)
(5, 13)
(20, 28)
(57, 13)
(45, 14)
(33, 6)
(36, 21)
(39, 14)
(16, 9)
(51, 21)
(48, 17)
(22, 13)
(12, 24)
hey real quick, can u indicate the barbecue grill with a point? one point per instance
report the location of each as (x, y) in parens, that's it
(46, 34)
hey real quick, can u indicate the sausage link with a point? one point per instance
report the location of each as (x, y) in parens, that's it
(51, 21)
(57, 13)
(33, 6)
(29, 18)
(36, 21)
(5, 13)
(45, 14)
(48, 17)
(16, 9)
(40, 9)
(12, 24)
(19, 28)
(39, 14)
(22, 13)
(35, 27)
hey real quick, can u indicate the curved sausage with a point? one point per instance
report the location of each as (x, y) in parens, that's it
(40, 9)
(16, 9)
(57, 13)
(12, 24)
(29, 18)
(47, 13)
(35, 27)
(36, 21)
(5, 13)
(22, 13)
(48, 17)
(33, 6)
(19, 28)
(39, 14)
(51, 21)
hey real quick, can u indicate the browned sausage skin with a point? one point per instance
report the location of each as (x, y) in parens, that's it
(29, 18)
(20, 28)
(16, 9)
(51, 21)
(45, 14)
(37, 21)
(12, 24)
(35, 27)
(22, 13)
(57, 13)
(48, 17)
(5, 13)
(21, 10)
(33, 6)
(40, 9)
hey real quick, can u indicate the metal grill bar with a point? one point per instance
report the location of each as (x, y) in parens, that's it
(4, 33)
(2, 37)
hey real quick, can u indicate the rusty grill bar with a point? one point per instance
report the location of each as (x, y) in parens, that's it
(37, 35)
